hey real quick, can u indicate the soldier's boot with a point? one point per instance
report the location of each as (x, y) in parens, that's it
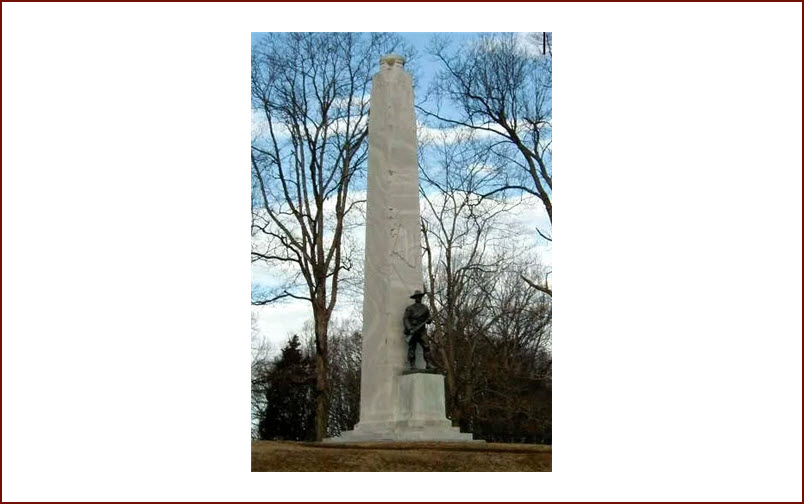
(412, 357)
(428, 358)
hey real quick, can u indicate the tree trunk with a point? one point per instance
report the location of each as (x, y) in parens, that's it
(322, 398)
(452, 382)
(321, 371)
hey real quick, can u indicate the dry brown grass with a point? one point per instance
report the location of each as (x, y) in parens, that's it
(420, 456)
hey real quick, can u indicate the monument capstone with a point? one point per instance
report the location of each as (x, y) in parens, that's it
(395, 403)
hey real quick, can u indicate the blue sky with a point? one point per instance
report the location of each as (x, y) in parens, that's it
(419, 40)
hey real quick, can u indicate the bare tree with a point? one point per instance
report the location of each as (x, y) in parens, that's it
(468, 244)
(505, 392)
(310, 108)
(500, 87)
(345, 351)
(260, 367)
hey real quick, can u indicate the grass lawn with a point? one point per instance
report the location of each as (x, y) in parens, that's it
(419, 456)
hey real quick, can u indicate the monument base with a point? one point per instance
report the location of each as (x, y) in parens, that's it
(420, 415)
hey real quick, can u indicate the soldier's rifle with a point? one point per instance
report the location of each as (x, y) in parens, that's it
(409, 334)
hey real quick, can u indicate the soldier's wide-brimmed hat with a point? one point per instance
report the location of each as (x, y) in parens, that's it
(417, 294)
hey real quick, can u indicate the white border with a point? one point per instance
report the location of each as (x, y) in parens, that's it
(678, 251)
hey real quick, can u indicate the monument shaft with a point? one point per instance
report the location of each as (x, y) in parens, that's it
(394, 406)
(393, 266)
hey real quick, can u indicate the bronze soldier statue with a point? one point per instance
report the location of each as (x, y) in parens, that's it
(416, 317)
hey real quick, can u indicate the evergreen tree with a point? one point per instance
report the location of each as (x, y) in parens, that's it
(290, 396)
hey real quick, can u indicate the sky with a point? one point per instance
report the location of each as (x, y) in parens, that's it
(275, 323)
(419, 41)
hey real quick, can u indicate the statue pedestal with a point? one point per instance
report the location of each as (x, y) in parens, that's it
(420, 415)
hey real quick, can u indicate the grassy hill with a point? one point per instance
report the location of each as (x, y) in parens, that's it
(420, 456)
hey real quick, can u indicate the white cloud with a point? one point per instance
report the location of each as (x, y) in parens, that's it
(260, 129)
(277, 322)
(529, 43)
(454, 134)
(357, 102)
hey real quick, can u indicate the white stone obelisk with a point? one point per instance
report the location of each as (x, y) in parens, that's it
(392, 406)
(393, 266)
